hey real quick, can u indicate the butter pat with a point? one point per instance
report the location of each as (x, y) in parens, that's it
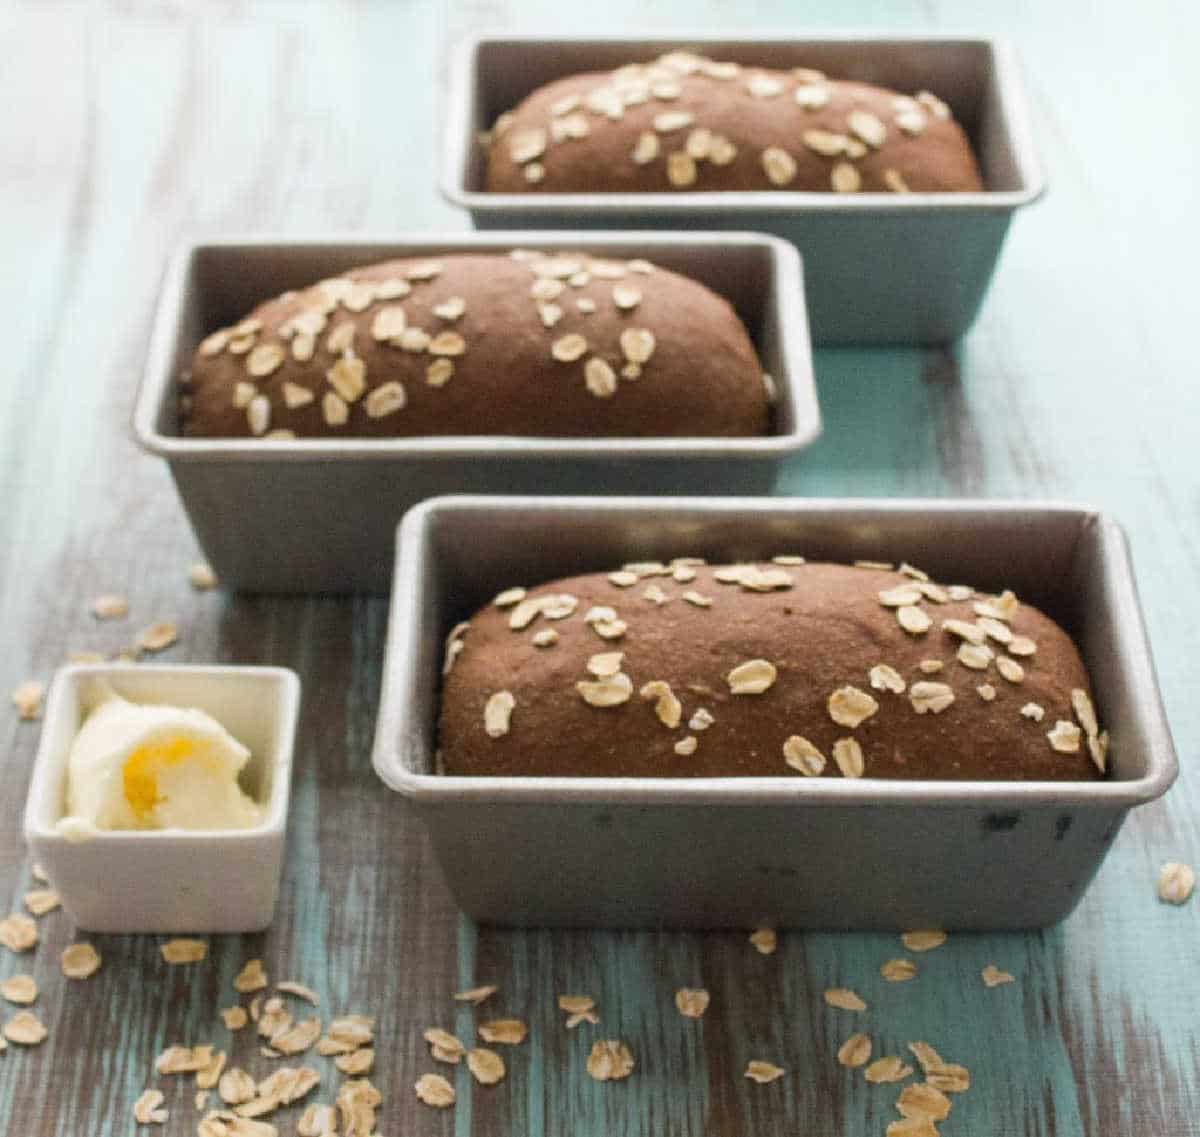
(139, 766)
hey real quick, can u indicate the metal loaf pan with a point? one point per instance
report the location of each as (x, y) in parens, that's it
(788, 851)
(319, 515)
(882, 268)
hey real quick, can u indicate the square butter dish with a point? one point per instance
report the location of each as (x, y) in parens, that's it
(787, 851)
(881, 267)
(320, 514)
(170, 880)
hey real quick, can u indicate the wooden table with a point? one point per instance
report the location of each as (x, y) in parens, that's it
(126, 127)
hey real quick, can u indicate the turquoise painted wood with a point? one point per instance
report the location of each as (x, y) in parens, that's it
(126, 127)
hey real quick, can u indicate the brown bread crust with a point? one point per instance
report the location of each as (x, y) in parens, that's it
(703, 377)
(932, 155)
(824, 632)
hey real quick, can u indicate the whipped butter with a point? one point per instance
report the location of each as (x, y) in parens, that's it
(141, 766)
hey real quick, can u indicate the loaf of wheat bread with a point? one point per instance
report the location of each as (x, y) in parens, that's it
(782, 669)
(507, 344)
(686, 123)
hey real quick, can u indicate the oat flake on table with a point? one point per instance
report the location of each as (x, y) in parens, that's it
(434, 1090)
(181, 951)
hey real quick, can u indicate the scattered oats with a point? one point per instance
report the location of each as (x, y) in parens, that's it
(683, 574)
(569, 348)
(273, 1020)
(855, 1051)
(234, 1017)
(25, 1029)
(699, 143)
(844, 999)
(802, 755)
(264, 359)
(546, 288)
(993, 976)
(214, 344)
(509, 597)
(701, 720)
(357, 1100)
(764, 940)
(79, 961)
(434, 1090)
(933, 104)
(413, 339)
(447, 343)
(39, 901)
(667, 707)
(1065, 737)
(611, 691)
(637, 344)
(1084, 711)
(868, 127)
(525, 145)
(550, 314)
(357, 1063)
(972, 633)
(207, 1077)
(949, 1078)
(848, 755)
(889, 1069)
(1176, 882)
(200, 1099)
(426, 270)
(926, 696)
(885, 678)
(252, 977)
(110, 606)
(1010, 669)
(27, 698)
(850, 706)
(239, 345)
(997, 630)
(439, 372)
(925, 939)
(291, 987)
(752, 677)
(359, 296)
(158, 637)
(778, 165)
(605, 663)
(882, 566)
(348, 377)
(686, 747)
(582, 1017)
(184, 951)
(354, 1030)
(1021, 645)
(509, 1031)
(575, 1004)
(626, 296)
(586, 304)
(599, 377)
(485, 1065)
(681, 168)
(977, 656)
(986, 692)
(565, 105)
(763, 86)
(297, 1039)
(899, 970)
(901, 596)
(254, 1009)
(20, 989)
(669, 121)
(317, 1121)
(1003, 607)
(825, 143)
(610, 1060)
(696, 598)
(146, 1109)
(646, 149)
(691, 1002)
(334, 410)
(721, 151)
(497, 714)
(453, 308)
(763, 1072)
(812, 96)
(921, 1100)
(913, 620)
(475, 995)
(201, 577)
(1033, 711)
(183, 1059)
(445, 1046)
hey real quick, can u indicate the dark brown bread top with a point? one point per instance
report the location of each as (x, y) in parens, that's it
(684, 123)
(926, 681)
(522, 344)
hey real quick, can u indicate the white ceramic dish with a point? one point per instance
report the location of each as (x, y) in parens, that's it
(171, 880)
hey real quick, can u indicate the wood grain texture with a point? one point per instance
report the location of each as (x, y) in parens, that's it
(128, 126)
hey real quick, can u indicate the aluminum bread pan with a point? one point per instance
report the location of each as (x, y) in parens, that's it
(826, 852)
(319, 515)
(884, 268)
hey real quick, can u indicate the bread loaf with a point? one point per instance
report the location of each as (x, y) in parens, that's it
(685, 123)
(778, 669)
(522, 344)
